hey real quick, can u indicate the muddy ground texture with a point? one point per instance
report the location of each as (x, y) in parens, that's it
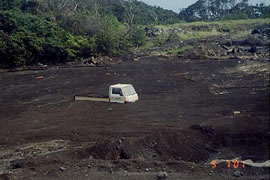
(190, 112)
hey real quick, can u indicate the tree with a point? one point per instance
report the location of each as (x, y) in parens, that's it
(111, 40)
(137, 36)
(30, 6)
(9, 4)
(129, 14)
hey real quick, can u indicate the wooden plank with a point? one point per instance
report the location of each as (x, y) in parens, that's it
(85, 98)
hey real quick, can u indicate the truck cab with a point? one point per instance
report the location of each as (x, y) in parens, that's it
(122, 93)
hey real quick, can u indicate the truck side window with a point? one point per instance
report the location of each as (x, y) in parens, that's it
(117, 91)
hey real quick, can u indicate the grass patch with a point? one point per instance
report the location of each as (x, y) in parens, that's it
(179, 51)
(148, 45)
(242, 35)
(198, 35)
(249, 68)
(234, 28)
(156, 41)
(231, 25)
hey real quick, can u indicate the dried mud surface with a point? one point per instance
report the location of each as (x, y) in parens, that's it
(190, 112)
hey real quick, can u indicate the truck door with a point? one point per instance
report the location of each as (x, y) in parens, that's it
(117, 95)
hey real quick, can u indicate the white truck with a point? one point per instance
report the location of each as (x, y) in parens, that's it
(118, 93)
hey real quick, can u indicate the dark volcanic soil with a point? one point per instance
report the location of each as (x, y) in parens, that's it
(189, 113)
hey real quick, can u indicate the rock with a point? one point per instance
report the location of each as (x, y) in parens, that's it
(62, 169)
(6, 176)
(162, 175)
(254, 41)
(225, 47)
(93, 60)
(136, 59)
(253, 49)
(154, 155)
(263, 30)
(237, 174)
(211, 52)
(17, 164)
(256, 31)
(176, 30)
(236, 112)
(153, 32)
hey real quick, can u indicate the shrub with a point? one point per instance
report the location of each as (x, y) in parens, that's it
(28, 39)
(137, 36)
(112, 39)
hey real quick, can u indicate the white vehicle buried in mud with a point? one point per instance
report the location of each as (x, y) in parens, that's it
(118, 93)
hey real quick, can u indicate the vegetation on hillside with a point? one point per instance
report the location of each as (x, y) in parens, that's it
(186, 33)
(58, 31)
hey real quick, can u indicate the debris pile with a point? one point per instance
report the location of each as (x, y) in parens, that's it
(254, 46)
(164, 146)
(153, 32)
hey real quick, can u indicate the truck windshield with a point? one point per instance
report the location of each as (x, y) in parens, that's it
(129, 90)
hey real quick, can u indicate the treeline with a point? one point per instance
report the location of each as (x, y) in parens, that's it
(57, 31)
(205, 10)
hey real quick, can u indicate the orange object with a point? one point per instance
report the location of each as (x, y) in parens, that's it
(214, 164)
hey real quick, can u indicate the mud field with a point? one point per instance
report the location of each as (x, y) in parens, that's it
(190, 113)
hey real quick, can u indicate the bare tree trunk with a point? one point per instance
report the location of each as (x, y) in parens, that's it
(63, 3)
(96, 10)
(130, 15)
(155, 16)
(76, 5)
